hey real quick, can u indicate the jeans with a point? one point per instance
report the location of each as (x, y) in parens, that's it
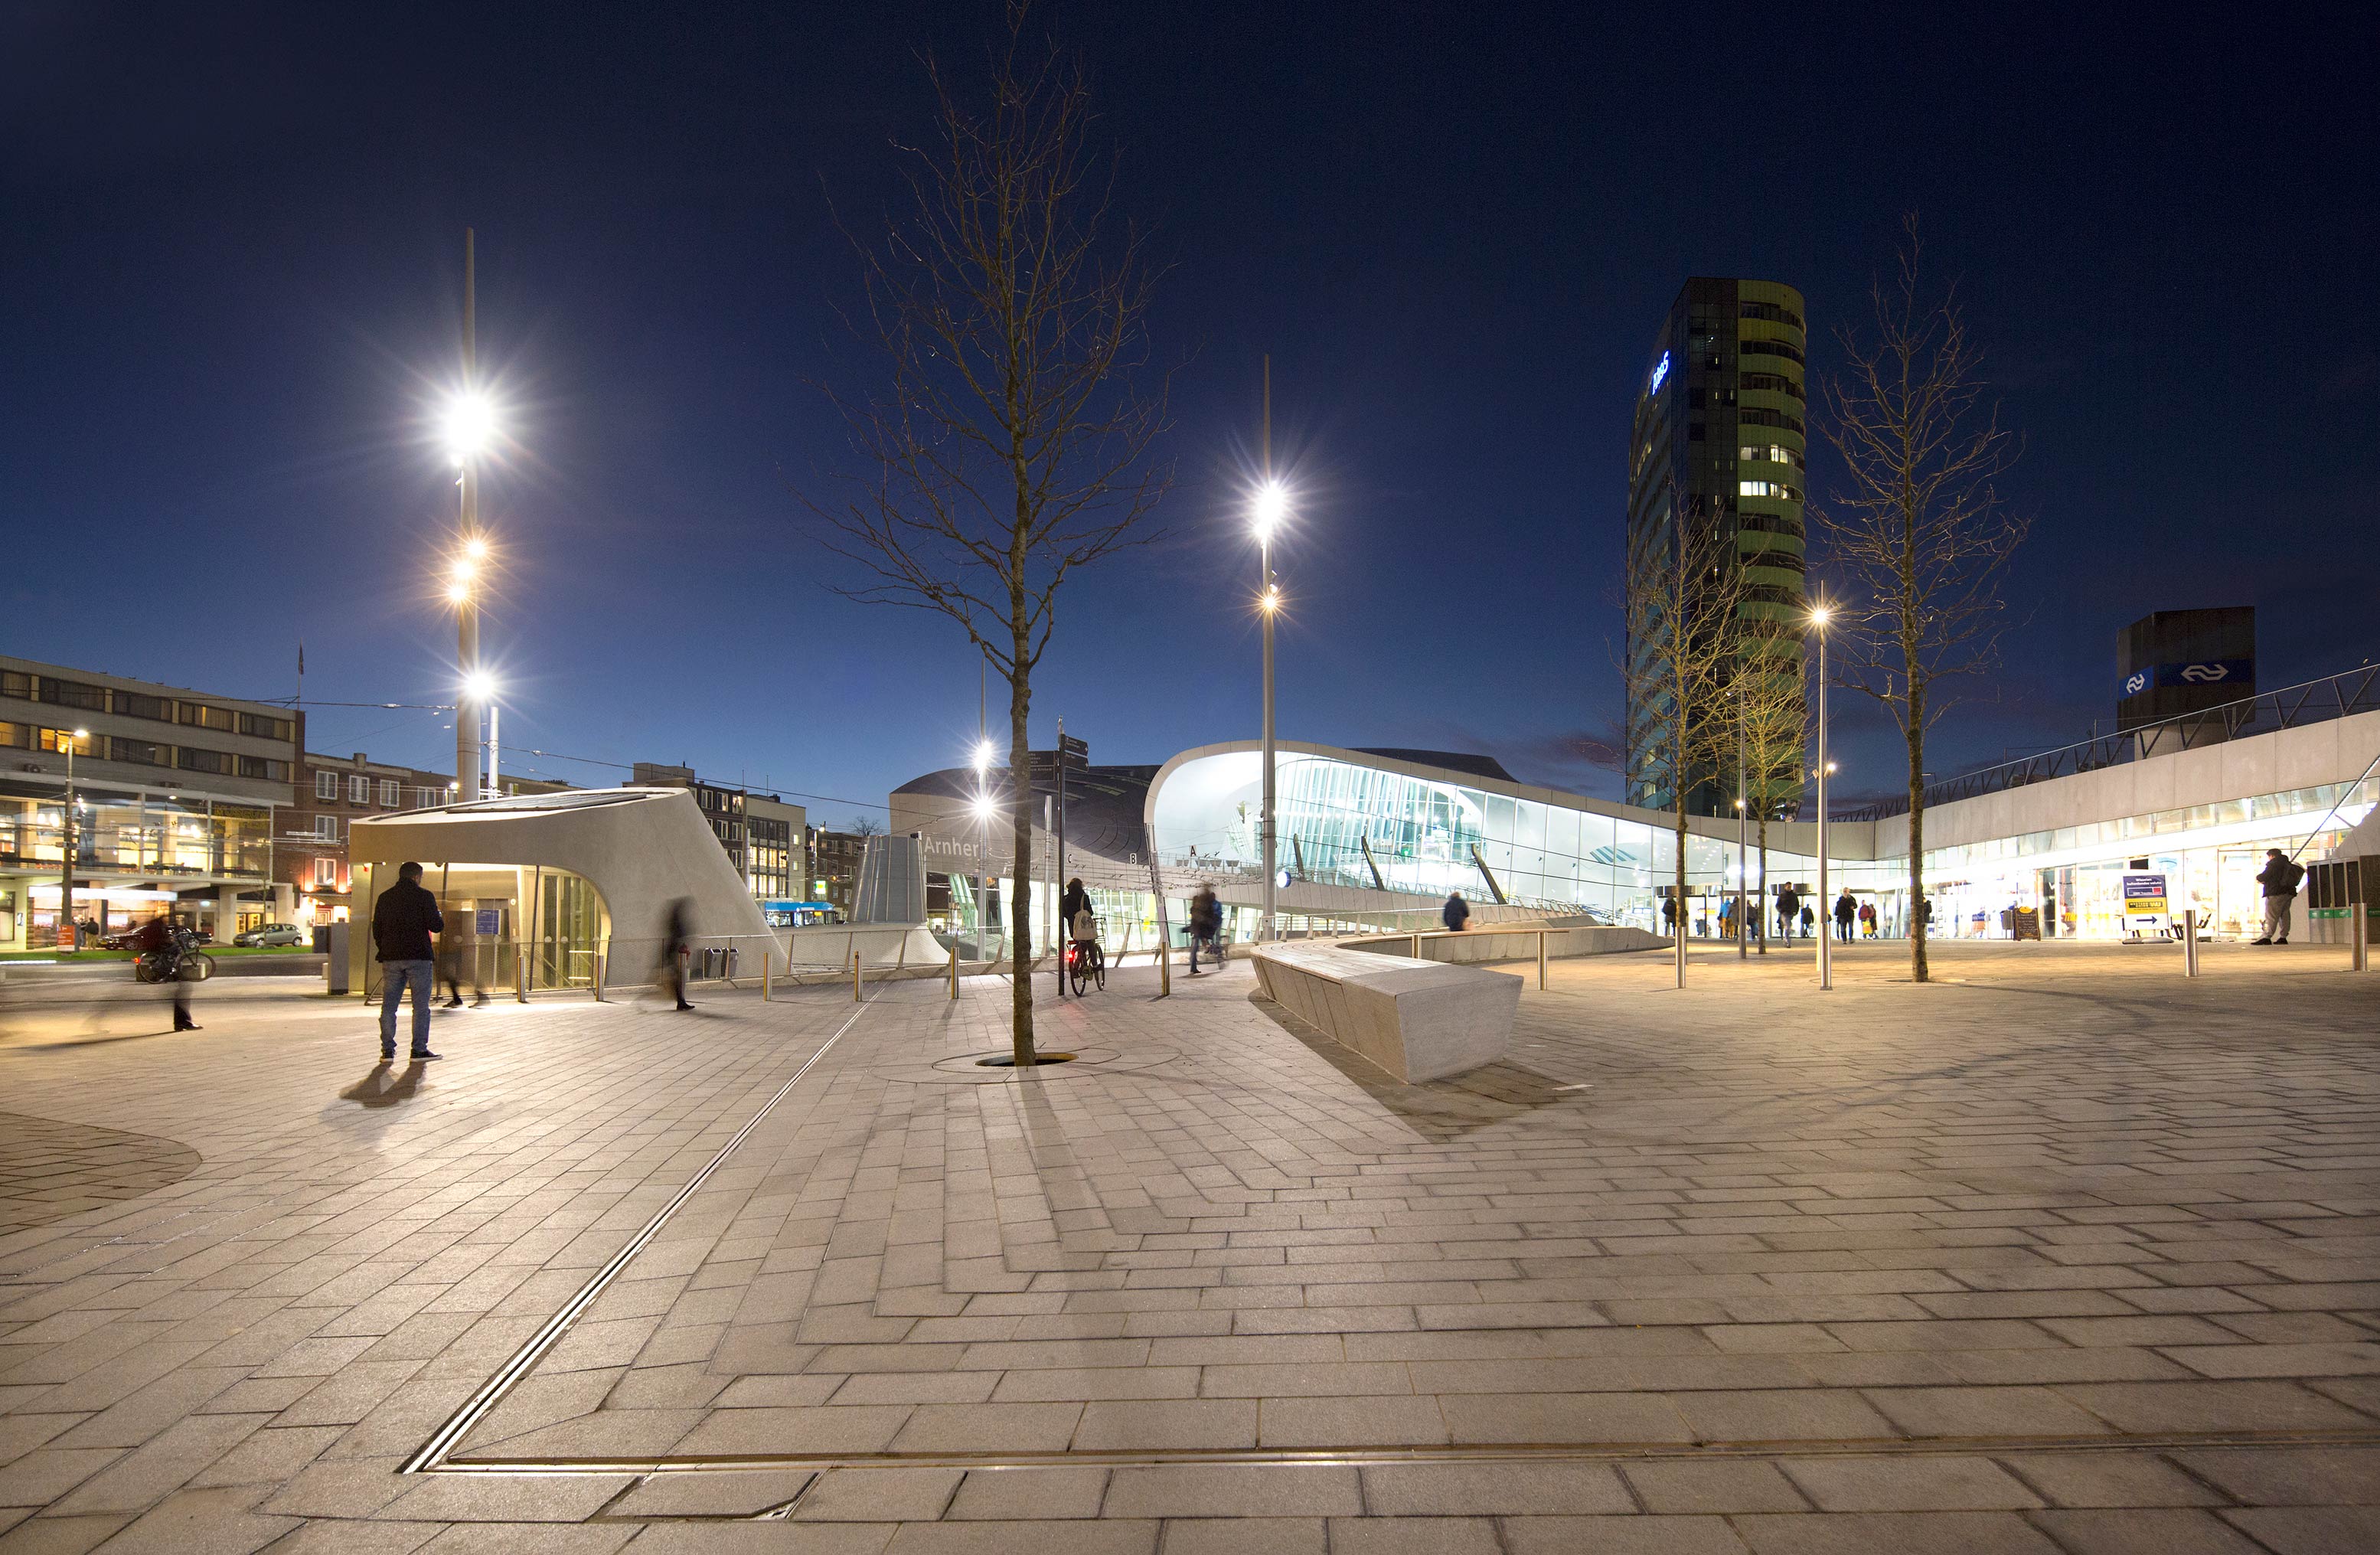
(395, 977)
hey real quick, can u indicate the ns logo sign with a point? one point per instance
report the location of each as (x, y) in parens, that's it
(2205, 674)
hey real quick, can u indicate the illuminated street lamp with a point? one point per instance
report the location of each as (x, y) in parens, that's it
(480, 688)
(1267, 511)
(982, 808)
(1820, 613)
(67, 834)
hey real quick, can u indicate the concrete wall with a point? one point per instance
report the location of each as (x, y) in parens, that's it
(2335, 751)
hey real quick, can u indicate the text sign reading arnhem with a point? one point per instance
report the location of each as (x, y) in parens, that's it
(2198, 672)
(2145, 893)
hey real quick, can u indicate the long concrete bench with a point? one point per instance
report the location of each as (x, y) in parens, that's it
(1419, 1020)
(1515, 943)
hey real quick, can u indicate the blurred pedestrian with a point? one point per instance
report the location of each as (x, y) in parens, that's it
(1809, 920)
(1205, 924)
(2280, 878)
(458, 956)
(1456, 913)
(402, 920)
(677, 927)
(1845, 910)
(163, 937)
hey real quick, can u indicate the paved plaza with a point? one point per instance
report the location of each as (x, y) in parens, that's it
(2062, 1253)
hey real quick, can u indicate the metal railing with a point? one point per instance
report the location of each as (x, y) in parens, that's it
(2313, 702)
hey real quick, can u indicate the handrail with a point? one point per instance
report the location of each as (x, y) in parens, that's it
(2351, 691)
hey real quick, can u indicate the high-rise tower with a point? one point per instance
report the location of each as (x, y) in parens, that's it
(1719, 440)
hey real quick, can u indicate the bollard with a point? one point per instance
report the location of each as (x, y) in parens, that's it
(598, 978)
(764, 979)
(1541, 961)
(1164, 968)
(854, 973)
(2190, 942)
(955, 973)
(1416, 947)
(2358, 914)
(520, 977)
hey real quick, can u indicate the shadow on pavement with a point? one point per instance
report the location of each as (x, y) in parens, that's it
(375, 1089)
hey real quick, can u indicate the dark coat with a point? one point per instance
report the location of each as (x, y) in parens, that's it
(402, 920)
(1457, 913)
(2279, 877)
(1206, 913)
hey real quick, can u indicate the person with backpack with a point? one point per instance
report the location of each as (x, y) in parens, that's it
(2280, 877)
(1206, 925)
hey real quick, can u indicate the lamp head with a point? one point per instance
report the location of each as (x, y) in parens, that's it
(982, 757)
(82, 733)
(1271, 507)
(1820, 615)
(470, 425)
(480, 685)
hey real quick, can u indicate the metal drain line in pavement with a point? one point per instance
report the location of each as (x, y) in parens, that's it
(432, 1455)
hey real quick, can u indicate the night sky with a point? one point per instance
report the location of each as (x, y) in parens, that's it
(232, 250)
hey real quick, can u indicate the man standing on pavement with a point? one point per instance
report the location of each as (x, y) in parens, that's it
(402, 920)
(2280, 878)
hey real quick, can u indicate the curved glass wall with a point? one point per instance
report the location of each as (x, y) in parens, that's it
(507, 926)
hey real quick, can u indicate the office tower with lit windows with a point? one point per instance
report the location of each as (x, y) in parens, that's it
(1719, 440)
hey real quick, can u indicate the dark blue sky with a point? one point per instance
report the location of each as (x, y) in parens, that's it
(231, 259)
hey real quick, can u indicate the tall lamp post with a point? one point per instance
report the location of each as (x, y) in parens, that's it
(1272, 503)
(470, 427)
(982, 845)
(67, 830)
(1819, 615)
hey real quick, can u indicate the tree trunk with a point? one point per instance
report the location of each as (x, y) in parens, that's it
(1917, 829)
(1020, 813)
(1760, 903)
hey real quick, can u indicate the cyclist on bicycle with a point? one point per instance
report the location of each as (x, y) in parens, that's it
(1082, 924)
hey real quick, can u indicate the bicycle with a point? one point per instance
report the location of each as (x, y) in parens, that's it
(179, 963)
(1086, 963)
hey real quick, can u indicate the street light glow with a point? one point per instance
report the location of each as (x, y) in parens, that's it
(982, 758)
(475, 548)
(480, 685)
(1820, 615)
(982, 806)
(458, 593)
(470, 425)
(1271, 600)
(1271, 507)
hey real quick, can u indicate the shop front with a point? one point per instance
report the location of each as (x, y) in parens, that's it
(502, 921)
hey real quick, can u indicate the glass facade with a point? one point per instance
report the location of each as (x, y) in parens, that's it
(502, 918)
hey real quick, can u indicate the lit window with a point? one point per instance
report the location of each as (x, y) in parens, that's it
(326, 785)
(326, 872)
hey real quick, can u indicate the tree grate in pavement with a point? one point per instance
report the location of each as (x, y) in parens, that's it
(50, 1168)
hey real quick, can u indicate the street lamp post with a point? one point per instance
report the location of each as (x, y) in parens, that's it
(66, 831)
(1272, 503)
(982, 845)
(1742, 839)
(1818, 618)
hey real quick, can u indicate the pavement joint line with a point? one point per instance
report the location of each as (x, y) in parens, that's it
(1258, 1457)
(431, 1457)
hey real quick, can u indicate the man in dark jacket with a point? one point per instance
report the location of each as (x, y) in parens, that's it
(1845, 910)
(1456, 913)
(402, 920)
(2279, 878)
(1789, 906)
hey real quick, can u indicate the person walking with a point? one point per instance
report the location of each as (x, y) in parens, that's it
(1669, 914)
(1787, 900)
(677, 927)
(1205, 924)
(1456, 913)
(402, 920)
(1809, 920)
(1867, 920)
(458, 954)
(2280, 877)
(1845, 910)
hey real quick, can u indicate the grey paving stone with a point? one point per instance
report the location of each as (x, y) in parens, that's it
(1910, 1483)
(1718, 1484)
(2141, 1531)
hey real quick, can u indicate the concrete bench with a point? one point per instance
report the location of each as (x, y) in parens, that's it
(1500, 941)
(1419, 1020)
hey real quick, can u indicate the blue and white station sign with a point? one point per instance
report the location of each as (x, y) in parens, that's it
(2200, 672)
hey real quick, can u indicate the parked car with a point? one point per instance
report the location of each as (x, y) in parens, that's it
(271, 934)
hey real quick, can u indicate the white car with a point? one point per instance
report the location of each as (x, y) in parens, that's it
(273, 934)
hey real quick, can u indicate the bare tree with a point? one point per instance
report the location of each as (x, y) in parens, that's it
(1771, 710)
(1680, 597)
(866, 826)
(1917, 539)
(1008, 302)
